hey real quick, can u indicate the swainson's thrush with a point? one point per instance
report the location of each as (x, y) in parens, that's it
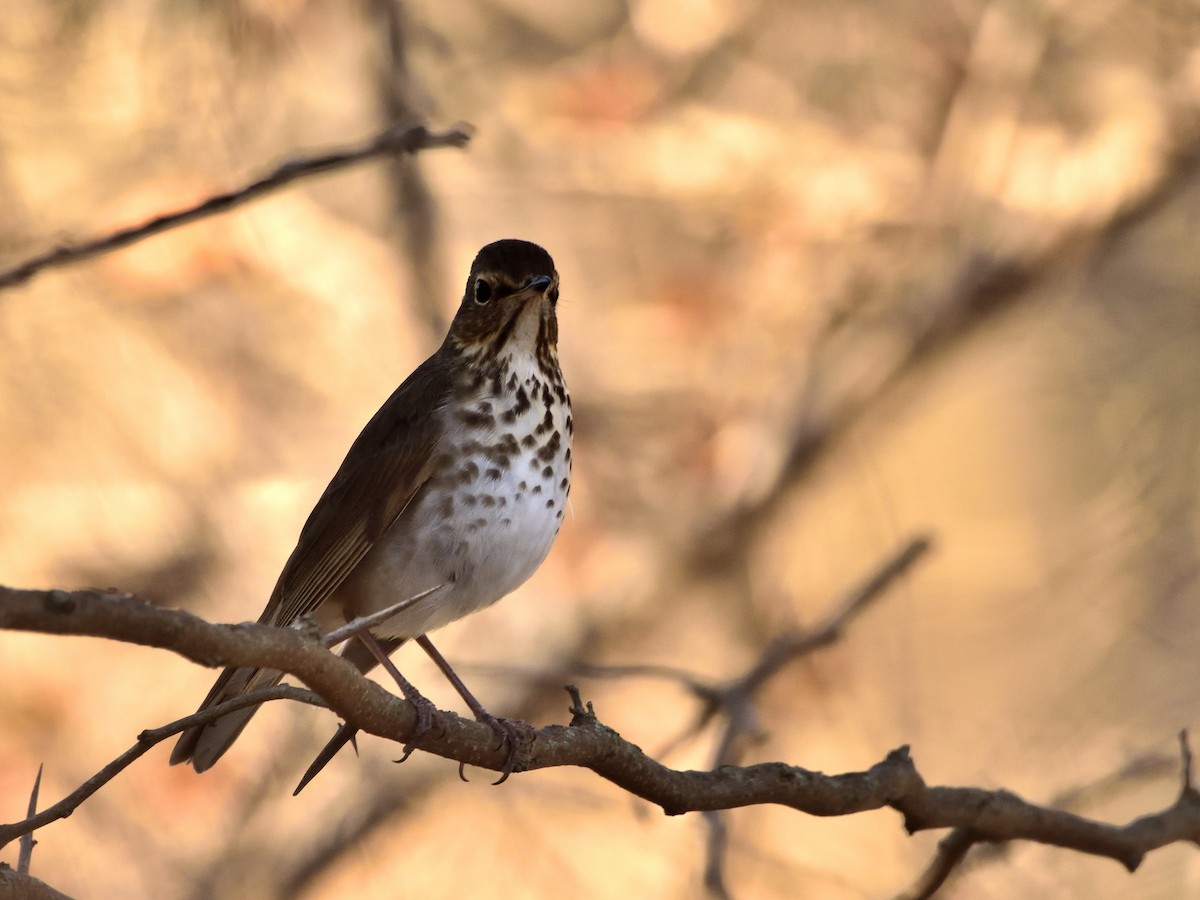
(456, 487)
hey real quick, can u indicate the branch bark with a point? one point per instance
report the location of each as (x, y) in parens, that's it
(586, 742)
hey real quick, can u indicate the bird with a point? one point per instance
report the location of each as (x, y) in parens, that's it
(449, 499)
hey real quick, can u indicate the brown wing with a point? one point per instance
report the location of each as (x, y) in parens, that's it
(385, 467)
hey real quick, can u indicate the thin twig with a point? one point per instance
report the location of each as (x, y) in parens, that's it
(951, 851)
(399, 138)
(145, 741)
(357, 626)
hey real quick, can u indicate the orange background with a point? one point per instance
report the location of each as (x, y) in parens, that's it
(955, 238)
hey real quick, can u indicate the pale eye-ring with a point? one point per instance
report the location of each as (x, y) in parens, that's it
(483, 292)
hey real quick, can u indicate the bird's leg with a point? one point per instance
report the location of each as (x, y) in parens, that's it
(427, 713)
(511, 731)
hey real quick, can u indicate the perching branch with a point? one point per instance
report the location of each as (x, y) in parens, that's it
(586, 742)
(399, 138)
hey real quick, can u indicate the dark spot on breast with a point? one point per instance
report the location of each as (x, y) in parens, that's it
(502, 501)
(488, 500)
(548, 472)
(474, 418)
(567, 456)
(549, 504)
(546, 398)
(569, 425)
(512, 381)
(477, 524)
(446, 507)
(564, 484)
(522, 403)
(561, 392)
(550, 448)
(509, 417)
(469, 500)
(533, 463)
(493, 473)
(547, 424)
(506, 522)
(528, 441)
(522, 486)
(558, 515)
(537, 489)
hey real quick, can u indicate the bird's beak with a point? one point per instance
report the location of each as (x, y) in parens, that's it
(536, 287)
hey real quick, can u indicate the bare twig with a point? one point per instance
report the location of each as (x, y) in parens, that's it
(587, 742)
(399, 138)
(25, 857)
(951, 850)
(146, 740)
(362, 623)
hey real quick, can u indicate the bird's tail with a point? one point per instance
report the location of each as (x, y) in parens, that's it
(203, 745)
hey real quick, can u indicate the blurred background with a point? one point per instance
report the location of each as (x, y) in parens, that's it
(834, 274)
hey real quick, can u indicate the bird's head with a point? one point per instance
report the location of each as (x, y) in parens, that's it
(508, 305)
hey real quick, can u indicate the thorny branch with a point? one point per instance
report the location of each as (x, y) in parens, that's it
(400, 138)
(585, 742)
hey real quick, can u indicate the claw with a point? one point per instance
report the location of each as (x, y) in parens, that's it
(512, 732)
(427, 715)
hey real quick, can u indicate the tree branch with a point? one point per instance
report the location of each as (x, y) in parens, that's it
(398, 139)
(586, 742)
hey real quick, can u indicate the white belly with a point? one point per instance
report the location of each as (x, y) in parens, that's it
(482, 525)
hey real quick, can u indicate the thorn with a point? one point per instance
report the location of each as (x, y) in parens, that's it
(25, 856)
(462, 773)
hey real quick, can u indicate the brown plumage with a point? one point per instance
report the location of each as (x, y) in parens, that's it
(457, 486)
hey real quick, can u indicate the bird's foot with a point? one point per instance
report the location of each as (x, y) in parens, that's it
(513, 732)
(428, 716)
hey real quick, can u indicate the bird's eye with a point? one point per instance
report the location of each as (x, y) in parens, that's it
(483, 292)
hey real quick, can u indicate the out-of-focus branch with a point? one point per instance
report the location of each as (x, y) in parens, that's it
(586, 742)
(987, 285)
(415, 209)
(398, 139)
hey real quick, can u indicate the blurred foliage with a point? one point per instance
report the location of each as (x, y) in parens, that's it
(832, 273)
